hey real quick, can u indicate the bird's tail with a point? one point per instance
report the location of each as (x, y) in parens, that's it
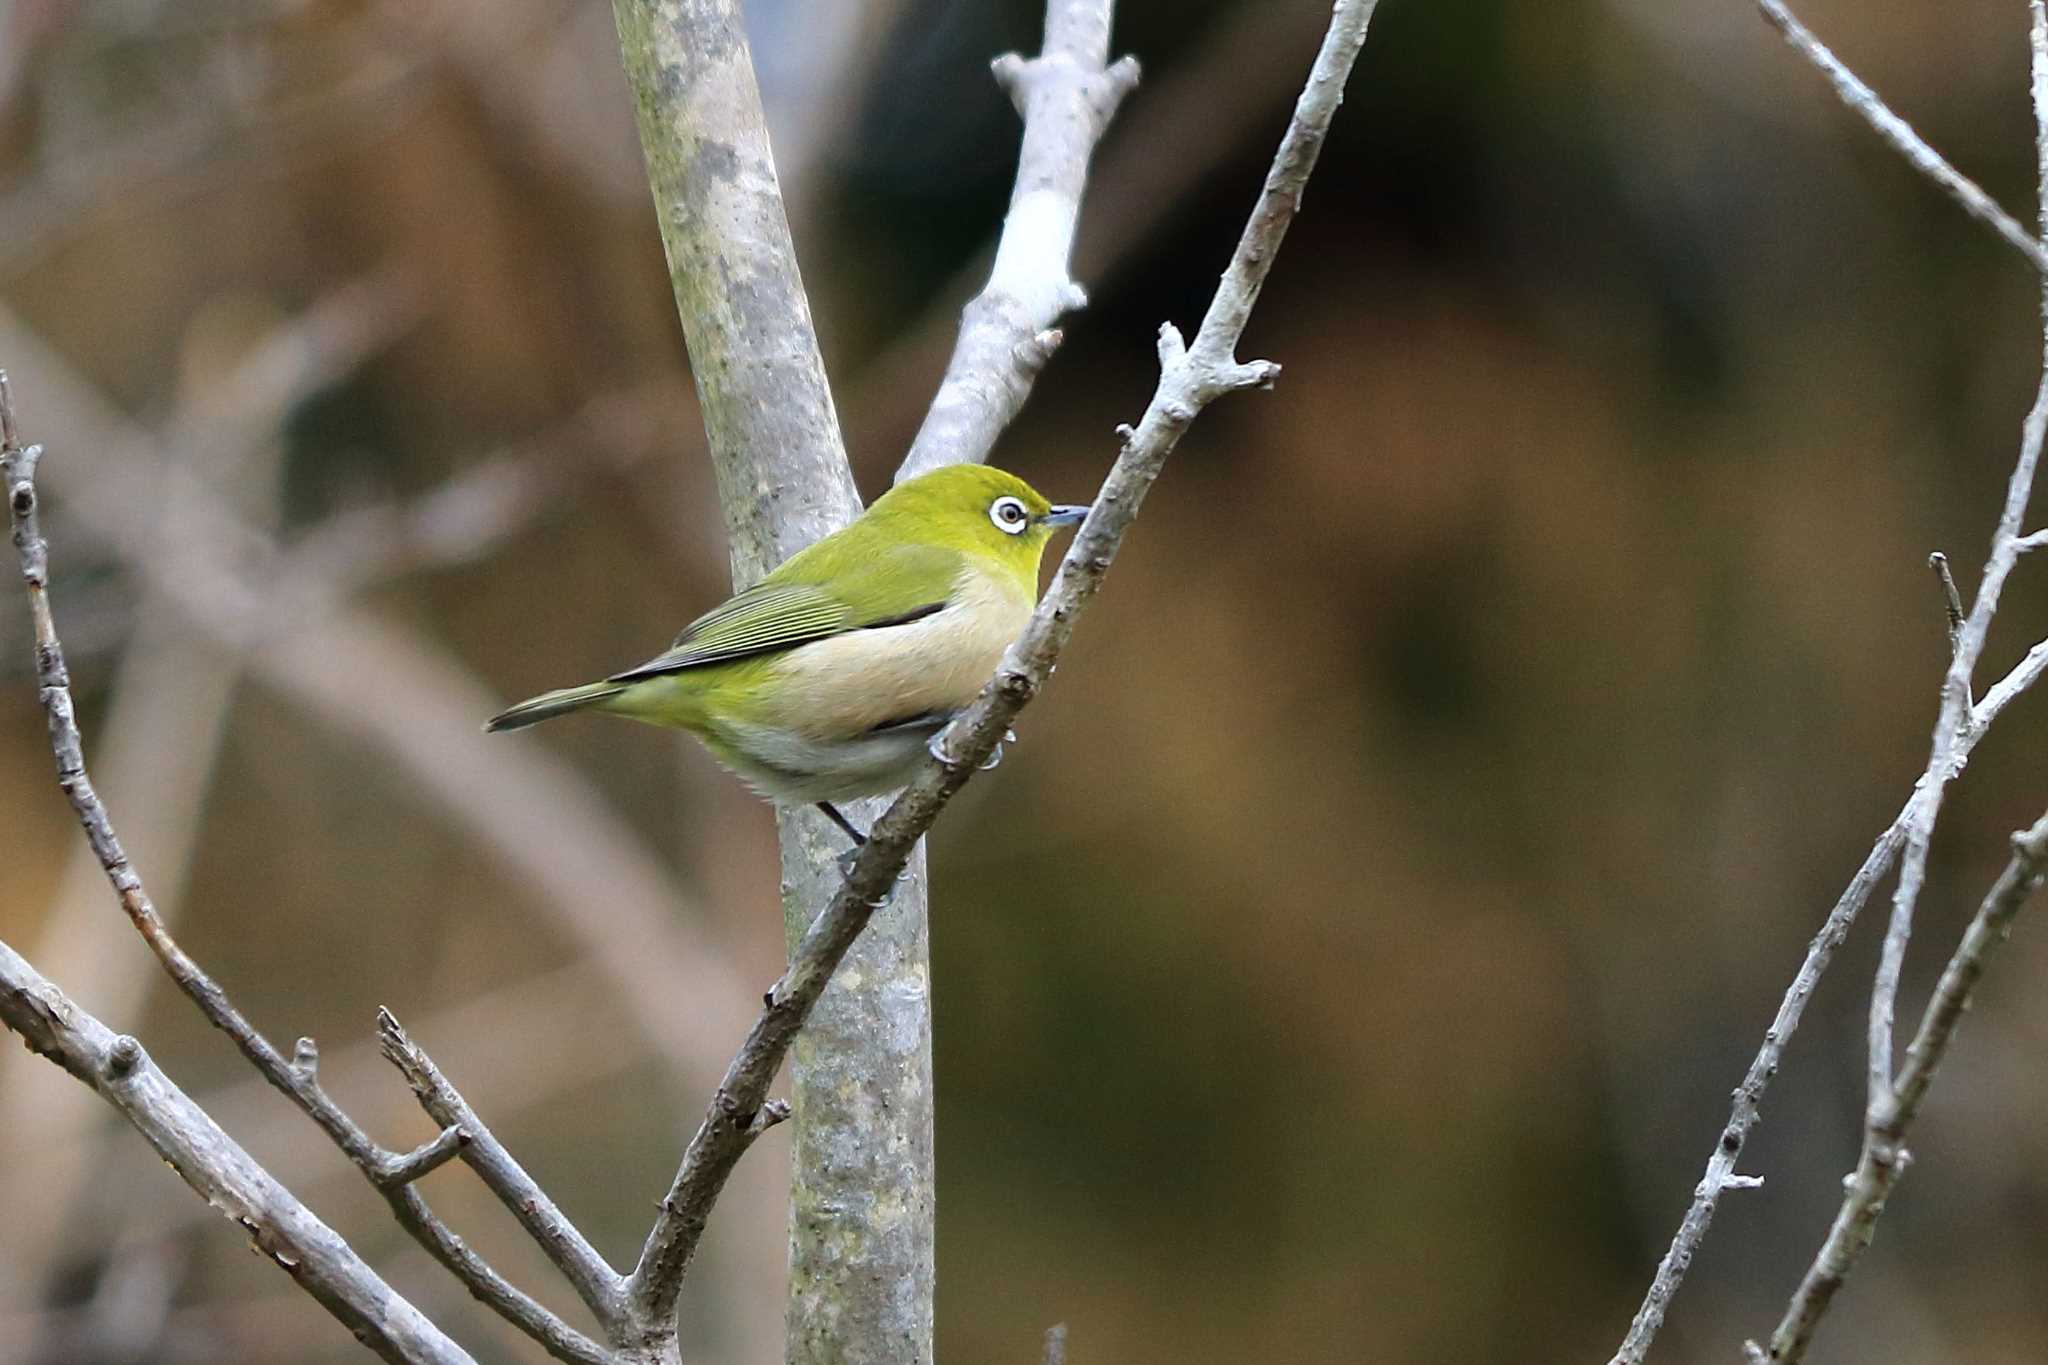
(548, 705)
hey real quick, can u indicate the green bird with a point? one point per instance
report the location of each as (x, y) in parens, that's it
(829, 678)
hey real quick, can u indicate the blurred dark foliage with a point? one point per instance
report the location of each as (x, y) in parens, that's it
(1353, 960)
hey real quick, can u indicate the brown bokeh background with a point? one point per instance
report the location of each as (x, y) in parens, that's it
(1352, 961)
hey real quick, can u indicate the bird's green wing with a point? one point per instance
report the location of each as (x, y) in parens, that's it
(812, 598)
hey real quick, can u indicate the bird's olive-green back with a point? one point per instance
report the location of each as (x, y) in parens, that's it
(898, 561)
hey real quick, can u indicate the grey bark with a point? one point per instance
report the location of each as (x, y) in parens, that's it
(1190, 379)
(862, 1214)
(282, 1229)
(392, 1173)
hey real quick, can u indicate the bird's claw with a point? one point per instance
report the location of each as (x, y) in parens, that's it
(935, 746)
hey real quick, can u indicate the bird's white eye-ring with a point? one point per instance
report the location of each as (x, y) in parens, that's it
(1010, 515)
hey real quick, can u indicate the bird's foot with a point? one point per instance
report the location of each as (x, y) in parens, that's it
(937, 749)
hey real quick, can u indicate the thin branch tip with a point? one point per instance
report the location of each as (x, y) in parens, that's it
(1951, 599)
(767, 1116)
(1008, 69)
(1865, 103)
(1173, 347)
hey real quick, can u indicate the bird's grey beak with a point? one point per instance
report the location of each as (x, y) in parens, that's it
(1063, 515)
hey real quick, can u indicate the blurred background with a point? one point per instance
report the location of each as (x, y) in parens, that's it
(1353, 961)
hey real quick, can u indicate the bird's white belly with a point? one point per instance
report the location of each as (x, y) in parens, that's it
(791, 767)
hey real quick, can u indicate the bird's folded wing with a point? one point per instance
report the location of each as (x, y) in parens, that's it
(900, 585)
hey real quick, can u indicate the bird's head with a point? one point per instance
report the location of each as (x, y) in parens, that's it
(988, 513)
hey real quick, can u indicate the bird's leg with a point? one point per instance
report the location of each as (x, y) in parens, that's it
(832, 814)
(859, 839)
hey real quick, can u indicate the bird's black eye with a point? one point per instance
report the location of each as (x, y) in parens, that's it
(1009, 515)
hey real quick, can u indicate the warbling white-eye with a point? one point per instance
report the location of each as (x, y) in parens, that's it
(826, 680)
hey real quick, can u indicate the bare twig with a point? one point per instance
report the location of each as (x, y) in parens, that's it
(1720, 1172)
(1951, 599)
(533, 811)
(297, 1077)
(1056, 1344)
(1961, 723)
(1955, 715)
(1191, 378)
(166, 719)
(1884, 1157)
(1892, 1103)
(1864, 102)
(227, 1177)
(595, 1282)
(1066, 96)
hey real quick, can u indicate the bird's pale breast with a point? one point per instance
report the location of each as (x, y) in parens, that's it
(851, 683)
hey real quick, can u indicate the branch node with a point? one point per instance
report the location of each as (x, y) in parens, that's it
(1173, 348)
(393, 1170)
(1009, 70)
(1121, 79)
(306, 1060)
(1253, 374)
(767, 1116)
(1032, 353)
(122, 1058)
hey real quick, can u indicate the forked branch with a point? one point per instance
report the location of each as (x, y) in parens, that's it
(297, 1077)
(1961, 722)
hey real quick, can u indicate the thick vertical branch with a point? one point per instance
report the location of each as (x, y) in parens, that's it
(1190, 379)
(861, 1256)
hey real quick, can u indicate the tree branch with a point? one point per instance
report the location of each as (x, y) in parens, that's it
(1885, 1158)
(1720, 1173)
(1191, 377)
(1067, 98)
(1959, 726)
(1953, 721)
(296, 1078)
(534, 812)
(861, 1287)
(1864, 102)
(595, 1282)
(212, 1163)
